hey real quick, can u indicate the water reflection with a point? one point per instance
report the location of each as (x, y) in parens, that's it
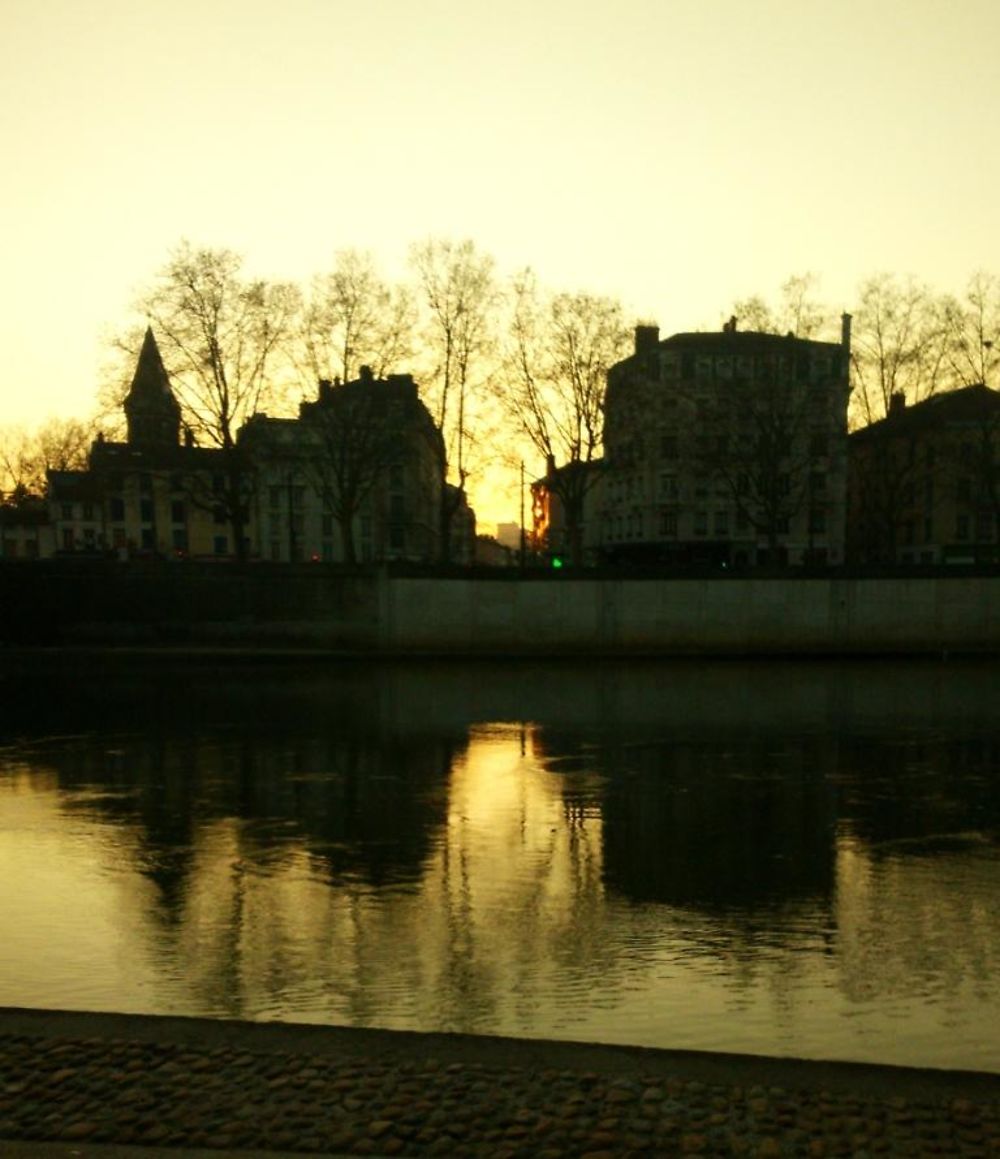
(796, 859)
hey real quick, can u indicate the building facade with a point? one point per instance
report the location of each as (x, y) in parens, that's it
(153, 494)
(358, 476)
(925, 481)
(725, 449)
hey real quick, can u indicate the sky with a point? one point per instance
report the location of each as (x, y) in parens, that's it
(675, 154)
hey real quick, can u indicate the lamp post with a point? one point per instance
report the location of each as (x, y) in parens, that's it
(522, 516)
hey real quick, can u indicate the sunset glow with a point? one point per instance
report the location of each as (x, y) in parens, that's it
(676, 155)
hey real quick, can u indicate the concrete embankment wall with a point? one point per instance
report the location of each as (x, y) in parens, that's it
(697, 616)
(312, 606)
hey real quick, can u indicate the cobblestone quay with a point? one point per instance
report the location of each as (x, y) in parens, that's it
(193, 1083)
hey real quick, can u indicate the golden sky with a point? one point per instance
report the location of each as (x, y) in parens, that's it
(678, 154)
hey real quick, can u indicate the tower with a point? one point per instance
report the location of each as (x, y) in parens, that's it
(151, 411)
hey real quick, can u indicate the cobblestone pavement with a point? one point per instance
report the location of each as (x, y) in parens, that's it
(203, 1085)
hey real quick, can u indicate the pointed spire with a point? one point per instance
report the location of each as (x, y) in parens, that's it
(151, 411)
(150, 379)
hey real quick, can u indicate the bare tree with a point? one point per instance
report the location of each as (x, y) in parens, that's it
(972, 329)
(558, 353)
(797, 311)
(766, 463)
(221, 336)
(898, 345)
(458, 293)
(358, 434)
(27, 456)
(353, 318)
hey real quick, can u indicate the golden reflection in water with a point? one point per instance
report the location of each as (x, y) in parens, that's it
(509, 927)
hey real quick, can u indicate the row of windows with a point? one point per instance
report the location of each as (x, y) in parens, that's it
(983, 526)
(633, 525)
(631, 488)
(689, 365)
(708, 446)
(148, 540)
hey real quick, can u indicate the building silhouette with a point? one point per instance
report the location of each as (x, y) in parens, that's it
(925, 481)
(154, 493)
(359, 475)
(720, 449)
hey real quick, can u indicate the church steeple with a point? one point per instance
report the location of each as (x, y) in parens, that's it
(151, 411)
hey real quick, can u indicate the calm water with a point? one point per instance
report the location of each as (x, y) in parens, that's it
(782, 858)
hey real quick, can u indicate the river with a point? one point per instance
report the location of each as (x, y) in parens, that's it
(781, 858)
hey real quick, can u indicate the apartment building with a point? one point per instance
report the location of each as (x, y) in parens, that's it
(725, 449)
(925, 481)
(358, 476)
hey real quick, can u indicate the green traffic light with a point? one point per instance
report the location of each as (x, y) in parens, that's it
(556, 561)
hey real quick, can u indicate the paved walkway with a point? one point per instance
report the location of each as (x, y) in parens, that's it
(81, 1086)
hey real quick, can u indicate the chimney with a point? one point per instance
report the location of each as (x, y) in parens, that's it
(647, 338)
(897, 400)
(845, 335)
(324, 389)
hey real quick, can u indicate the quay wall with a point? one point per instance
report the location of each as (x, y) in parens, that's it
(375, 611)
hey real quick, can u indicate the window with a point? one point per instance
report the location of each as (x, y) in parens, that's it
(148, 539)
(146, 510)
(742, 520)
(700, 487)
(275, 550)
(396, 475)
(781, 525)
(274, 496)
(929, 490)
(298, 498)
(668, 486)
(326, 525)
(984, 528)
(145, 483)
(218, 484)
(701, 523)
(722, 523)
(397, 539)
(116, 509)
(66, 510)
(118, 537)
(327, 551)
(962, 528)
(817, 522)
(176, 482)
(177, 511)
(67, 539)
(88, 511)
(179, 539)
(963, 490)
(928, 530)
(668, 523)
(397, 507)
(817, 483)
(668, 447)
(220, 545)
(218, 514)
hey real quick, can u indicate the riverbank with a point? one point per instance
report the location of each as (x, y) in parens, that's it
(382, 612)
(103, 1079)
